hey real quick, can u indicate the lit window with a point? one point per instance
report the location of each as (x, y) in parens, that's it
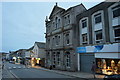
(98, 35)
(97, 18)
(84, 38)
(84, 23)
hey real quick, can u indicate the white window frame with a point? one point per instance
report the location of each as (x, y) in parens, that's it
(86, 41)
(82, 21)
(81, 28)
(110, 16)
(114, 10)
(100, 40)
(101, 12)
(97, 16)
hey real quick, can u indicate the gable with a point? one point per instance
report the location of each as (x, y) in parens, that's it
(55, 10)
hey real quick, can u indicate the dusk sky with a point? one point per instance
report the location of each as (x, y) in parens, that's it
(23, 23)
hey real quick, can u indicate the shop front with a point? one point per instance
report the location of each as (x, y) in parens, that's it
(108, 66)
(107, 58)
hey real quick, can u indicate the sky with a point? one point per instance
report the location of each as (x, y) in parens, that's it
(23, 23)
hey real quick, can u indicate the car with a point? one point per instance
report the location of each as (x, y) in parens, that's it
(112, 77)
(11, 62)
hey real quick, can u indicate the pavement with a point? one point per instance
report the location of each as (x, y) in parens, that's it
(85, 75)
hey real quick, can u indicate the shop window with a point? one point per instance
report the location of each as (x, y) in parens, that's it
(84, 23)
(98, 36)
(84, 38)
(108, 66)
(97, 18)
(116, 12)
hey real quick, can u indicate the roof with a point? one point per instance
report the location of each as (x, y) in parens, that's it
(40, 44)
(56, 8)
(30, 48)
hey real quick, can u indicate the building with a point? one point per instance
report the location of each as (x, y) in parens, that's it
(99, 38)
(39, 53)
(36, 54)
(28, 56)
(61, 38)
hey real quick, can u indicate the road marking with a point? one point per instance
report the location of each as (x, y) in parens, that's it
(14, 75)
(14, 67)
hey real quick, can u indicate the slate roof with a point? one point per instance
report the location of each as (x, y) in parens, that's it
(40, 44)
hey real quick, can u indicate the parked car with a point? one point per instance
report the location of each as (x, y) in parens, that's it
(112, 77)
(12, 62)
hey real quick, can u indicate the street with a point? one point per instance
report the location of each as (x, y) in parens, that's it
(22, 72)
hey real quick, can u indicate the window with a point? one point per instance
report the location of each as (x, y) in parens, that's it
(65, 21)
(54, 58)
(67, 39)
(98, 35)
(58, 40)
(68, 19)
(68, 59)
(58, 58)
(97, 18)
(48, 42)
(48, 58)
(116, 12)
(117, 33)
(53, 42)
(84, 38)
(84, 23)
(56, 22)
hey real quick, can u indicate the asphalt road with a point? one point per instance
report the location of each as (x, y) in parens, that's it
(21, 72)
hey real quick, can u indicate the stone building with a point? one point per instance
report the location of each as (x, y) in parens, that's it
(61, 37)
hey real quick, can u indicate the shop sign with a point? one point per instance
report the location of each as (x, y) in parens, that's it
(81, 50)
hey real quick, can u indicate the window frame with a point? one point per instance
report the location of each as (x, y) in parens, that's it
(97, 32)
(96, 16)
(86, 40)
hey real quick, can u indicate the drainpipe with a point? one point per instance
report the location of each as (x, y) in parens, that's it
(78, 61)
